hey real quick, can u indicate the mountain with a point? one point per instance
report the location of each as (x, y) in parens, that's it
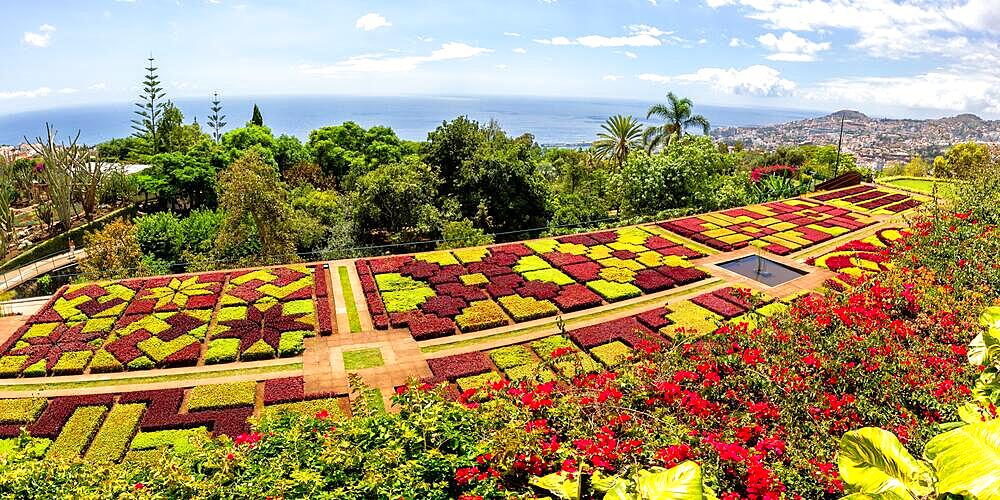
(874, 141)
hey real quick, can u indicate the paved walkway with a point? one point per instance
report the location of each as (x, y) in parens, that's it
(13, 278)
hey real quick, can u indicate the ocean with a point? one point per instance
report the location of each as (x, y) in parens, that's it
(552, 121)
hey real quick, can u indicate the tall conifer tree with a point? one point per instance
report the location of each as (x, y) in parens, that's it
(151, 105)
(257, 118)
(216, 120)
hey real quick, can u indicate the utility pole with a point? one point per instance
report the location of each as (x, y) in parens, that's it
(840, 142)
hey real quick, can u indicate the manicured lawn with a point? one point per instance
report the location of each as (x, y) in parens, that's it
(922, 185)
(348, 291)
(362, 358)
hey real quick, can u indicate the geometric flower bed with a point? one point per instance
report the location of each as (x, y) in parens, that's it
(868, 199)
(436, 293)
(780, 227)
(110, 427)
(140, 324)
(604, 345)
(855, 259)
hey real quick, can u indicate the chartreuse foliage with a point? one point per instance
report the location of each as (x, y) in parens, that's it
(873, 461)
(684, 481)
(214, 397)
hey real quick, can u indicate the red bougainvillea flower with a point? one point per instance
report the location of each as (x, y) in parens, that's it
(323, 415)
(139, 486)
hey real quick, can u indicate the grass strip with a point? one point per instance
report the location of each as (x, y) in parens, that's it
(569, 322)
(152, 379)
(348, 291)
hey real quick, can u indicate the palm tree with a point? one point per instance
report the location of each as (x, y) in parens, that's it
(677, 117)
(621, 135)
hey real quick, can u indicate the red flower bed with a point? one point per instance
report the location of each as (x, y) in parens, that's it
(283, 390)
(575, 297)
(719, 306)
(655, 319)
(428, 326)
(443, 306)
(650, 281)
(52, 420)
(628, 330)
(460, 365)
(541, 290)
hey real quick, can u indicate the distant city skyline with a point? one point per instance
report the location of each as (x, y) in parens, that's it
(896, 58)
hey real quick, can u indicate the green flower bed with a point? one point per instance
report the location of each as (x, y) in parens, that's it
(611, 354)
(181, 441)
(292, 343)
(113, 439)
(221, 396)
(21, 410)
(77, 433)
(306, 408)
(348, 291)
(527, 308)
(550, 275)
(481, 315)
(511, 356)
(612, 291)
(400, 293)
(222, 351)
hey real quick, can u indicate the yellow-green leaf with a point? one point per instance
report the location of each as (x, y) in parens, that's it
(967, 460)
(873, 461)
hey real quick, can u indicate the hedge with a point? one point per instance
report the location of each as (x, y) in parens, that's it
(71, 363)
(527, 308)
(291, 343)
(222, 351)
(179, 440)
(77, 433)
(257, 351)
(307, 408)
(510, 356)
(60, 242)
(113, 439)
(611, 354)
(221, 396)
(613, 292)
(481, 315)
(22, 410)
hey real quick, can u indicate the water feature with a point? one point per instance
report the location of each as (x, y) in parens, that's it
(762, 269)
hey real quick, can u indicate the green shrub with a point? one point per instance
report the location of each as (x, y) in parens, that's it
(219, 396)
(14, 447)
(551, 275)
(481, 315)
(348, 291)
(105, 362)
(306, 408)
(527, 308)
(363, 358)
(298, 307)
(531, 371)
(77, 433)
(71, 363)
(370, 401)
(10, 366)
(612, 291)
(510, 356)
(530, 263)
(577, 363)
(222, 351)
(291, 344)
(231, 314)
(35, 370)
(113, 439)
(21, 410)
(257, 351)
(611, 354)
(141, 363)
(544, 347)
(477, 381)
(181, 441)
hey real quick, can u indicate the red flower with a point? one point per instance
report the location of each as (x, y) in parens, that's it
(323, 415)
(139, 486)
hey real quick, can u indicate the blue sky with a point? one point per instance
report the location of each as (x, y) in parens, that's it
(884, 57)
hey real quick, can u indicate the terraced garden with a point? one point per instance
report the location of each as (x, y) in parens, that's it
(118, 369)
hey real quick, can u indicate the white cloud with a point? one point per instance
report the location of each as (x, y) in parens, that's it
(98, 86)
(791, 47)
(756, 80)
(630, 55)
(380, 63)
(511, 33)
(67, 90)
(737, 42)
(557, 40)
(519, 50)
(637, 35)
(42, 37)
(501, 66)
(944, 90)
(425, 39)
(26, 94)
(611, 78)
(371, 21)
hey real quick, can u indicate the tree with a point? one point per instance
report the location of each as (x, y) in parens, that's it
(59, 161)
(254, 200)
(962, 160)
(151, 106)
(216, 120)
(289, 151)
(348, 151)
(178, 176)
(450, 145)
(621, 135)
(396, 199)
(461, 234)
(113, 252)
(158, 235)
(89, 176)
(7, 192)
(683, 177)
(677, 117)
(256, 119)
(174, 135)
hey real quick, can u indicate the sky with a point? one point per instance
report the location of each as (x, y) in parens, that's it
(898, 58)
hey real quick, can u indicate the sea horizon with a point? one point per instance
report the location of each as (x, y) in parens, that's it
(554, 121)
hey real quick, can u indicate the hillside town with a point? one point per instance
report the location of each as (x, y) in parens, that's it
(875, 142)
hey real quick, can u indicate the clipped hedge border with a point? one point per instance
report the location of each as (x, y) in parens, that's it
(77, 433)
(222, 396)
(113, 439)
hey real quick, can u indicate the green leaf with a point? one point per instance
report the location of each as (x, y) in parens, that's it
(873, 461)
(984, 347)
(682, 482)
(559, 485)
(990, 318)
(967, 460)
(973, 413)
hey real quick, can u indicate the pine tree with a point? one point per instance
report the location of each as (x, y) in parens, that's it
(151, 106)
(257, 118)
(216, 120)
